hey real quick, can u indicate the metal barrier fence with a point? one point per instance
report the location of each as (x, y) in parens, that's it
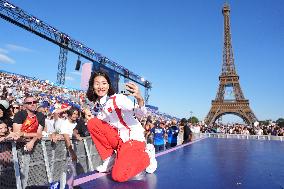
(45, 164)
(239, 136)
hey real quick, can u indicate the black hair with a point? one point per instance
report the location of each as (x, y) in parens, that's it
(2, 108)
(183, 120)
(157, 123)
(5, 111)
(6, 116)
(71, 111)
(148, 121)
(29, 95)
(91, 95)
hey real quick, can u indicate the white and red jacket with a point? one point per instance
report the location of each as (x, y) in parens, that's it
(120, 112)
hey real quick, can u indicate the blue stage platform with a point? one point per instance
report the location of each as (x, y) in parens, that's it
(208, 163)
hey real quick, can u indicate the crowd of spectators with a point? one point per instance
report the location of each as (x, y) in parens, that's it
(271, 129)
(165, 134)
(31, 109)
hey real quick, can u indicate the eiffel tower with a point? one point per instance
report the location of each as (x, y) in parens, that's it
(238, 105)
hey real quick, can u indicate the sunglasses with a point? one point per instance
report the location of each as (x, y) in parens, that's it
(16, 107)
(32, 102)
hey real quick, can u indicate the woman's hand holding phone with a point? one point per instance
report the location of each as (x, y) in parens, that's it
(135, 92)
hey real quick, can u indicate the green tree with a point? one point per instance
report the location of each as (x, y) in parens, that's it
(193, 120)
(265, 122)
(280, 122)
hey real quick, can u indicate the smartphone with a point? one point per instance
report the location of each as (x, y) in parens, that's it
(123, 90)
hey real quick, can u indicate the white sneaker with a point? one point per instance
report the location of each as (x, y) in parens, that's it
(107, 164)
(150, 149)
(139, 176)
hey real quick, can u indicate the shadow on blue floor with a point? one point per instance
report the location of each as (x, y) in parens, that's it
(147, 182)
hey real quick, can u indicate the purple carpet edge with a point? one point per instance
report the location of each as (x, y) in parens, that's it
(94, 176)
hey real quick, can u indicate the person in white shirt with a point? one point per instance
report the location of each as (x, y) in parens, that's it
(116, 131)
(245, 131)
(67, 127)
(259, 131)
(53, 124)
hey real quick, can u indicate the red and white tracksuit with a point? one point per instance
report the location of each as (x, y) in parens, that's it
(116, 128)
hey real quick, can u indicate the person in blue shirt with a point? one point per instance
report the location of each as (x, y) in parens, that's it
(172, 132)
(159, 135)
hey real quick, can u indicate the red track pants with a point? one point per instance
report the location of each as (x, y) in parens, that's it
(131, 157)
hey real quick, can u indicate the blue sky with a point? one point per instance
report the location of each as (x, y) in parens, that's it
(177, 45)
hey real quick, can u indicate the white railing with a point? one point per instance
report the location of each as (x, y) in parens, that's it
(239, 136)
(47, 162)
